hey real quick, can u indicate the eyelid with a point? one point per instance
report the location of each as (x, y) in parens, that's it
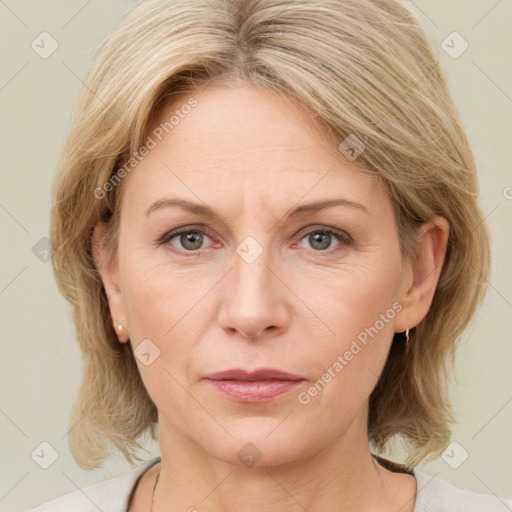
(185, 229)
(327, 229)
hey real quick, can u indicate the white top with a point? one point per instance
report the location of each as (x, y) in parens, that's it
(433, 495)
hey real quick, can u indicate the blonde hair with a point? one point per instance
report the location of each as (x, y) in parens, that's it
(359, 67)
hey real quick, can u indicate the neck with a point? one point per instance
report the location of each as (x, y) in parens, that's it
(343, 476)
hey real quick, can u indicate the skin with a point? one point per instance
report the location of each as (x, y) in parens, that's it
(252, 158)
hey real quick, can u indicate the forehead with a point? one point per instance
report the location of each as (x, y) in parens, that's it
(242, 143)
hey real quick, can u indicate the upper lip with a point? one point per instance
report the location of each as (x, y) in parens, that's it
(259, 374)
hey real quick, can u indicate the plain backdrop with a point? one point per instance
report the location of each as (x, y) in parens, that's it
(40, 362)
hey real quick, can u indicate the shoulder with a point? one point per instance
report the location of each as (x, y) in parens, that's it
(437, 495)
(109, 496)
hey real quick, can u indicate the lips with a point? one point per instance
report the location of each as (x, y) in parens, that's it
(262, 385)
(260, 374)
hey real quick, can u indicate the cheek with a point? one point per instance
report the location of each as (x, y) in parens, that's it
(152, 288)
(166, 304)
(351, 297)
(355, 309)
(147, 297)
(159, 305)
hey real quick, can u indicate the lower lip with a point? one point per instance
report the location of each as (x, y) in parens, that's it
(254, 391)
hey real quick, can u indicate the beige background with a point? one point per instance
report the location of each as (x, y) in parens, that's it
(40, 361)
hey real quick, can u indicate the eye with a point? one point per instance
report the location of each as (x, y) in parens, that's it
(188, 240)
(321, 239)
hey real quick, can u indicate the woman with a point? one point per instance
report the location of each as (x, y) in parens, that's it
(266, 220)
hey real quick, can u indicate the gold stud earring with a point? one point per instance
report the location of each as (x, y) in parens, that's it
(122, 334)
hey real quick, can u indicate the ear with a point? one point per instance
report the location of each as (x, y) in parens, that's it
(110, 276)
(420, 277)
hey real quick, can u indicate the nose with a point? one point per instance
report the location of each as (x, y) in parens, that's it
(254, 300)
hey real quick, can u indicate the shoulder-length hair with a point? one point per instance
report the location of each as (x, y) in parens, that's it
(359, 67)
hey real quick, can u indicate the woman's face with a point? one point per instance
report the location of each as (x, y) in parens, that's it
(257, 285)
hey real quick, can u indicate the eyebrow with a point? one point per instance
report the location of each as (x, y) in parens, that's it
(207, 212)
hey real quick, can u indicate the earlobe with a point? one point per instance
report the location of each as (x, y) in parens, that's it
(424, 272)
(110, 276)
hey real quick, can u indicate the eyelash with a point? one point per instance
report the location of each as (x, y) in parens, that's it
(341, 236)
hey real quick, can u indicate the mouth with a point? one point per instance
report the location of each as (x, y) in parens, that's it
(259, 386)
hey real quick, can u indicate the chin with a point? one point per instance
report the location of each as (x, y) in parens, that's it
(264, 444)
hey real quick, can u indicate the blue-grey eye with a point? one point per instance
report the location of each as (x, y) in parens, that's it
(189, 240)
